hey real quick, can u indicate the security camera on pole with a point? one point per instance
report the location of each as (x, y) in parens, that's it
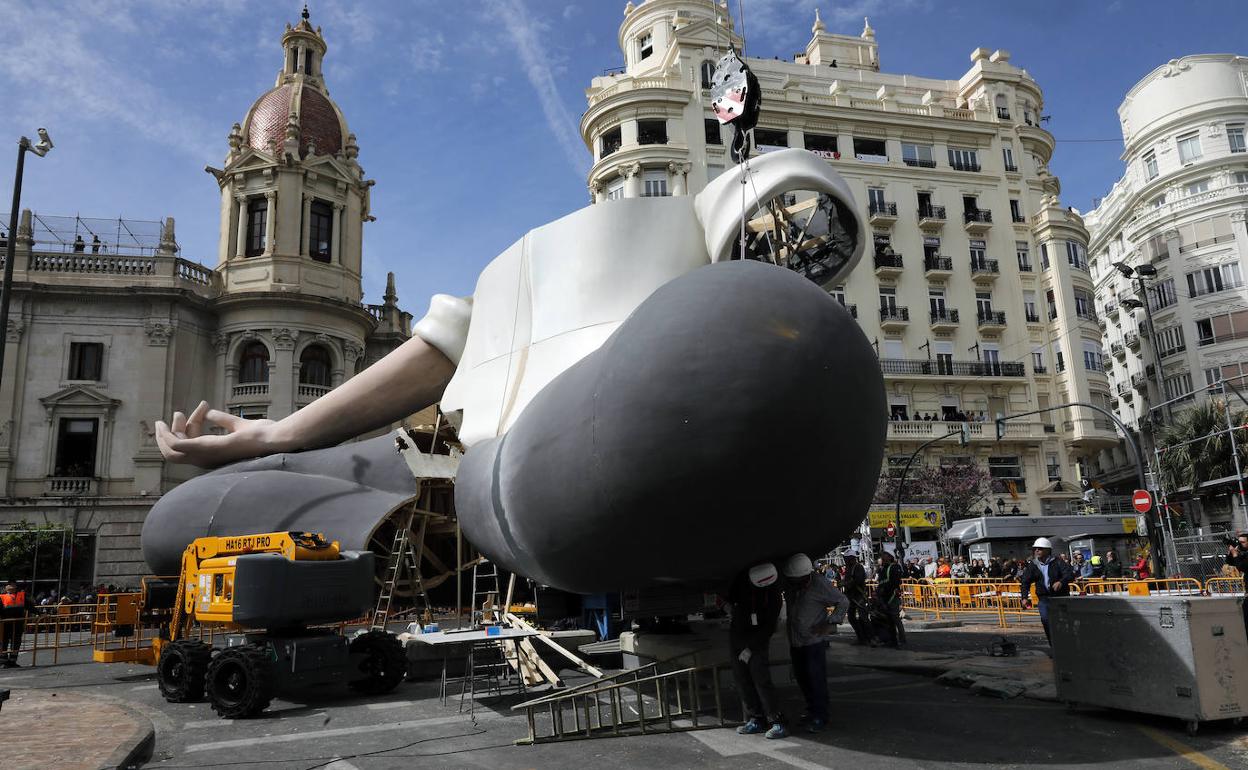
(23, 146)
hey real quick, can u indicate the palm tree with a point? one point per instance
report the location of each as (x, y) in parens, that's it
(1192, 464)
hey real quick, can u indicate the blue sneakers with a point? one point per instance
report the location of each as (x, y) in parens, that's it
(752, 727)
(816, 725)
(777, 731)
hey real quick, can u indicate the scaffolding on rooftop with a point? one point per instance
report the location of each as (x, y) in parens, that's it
(129, 237)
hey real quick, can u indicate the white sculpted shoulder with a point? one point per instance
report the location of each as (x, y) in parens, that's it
(555, 295)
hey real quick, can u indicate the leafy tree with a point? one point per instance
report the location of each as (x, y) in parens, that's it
(1201, 460)
(19, 548)
(959, 488)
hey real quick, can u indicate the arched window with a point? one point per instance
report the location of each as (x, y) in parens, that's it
(253, 365)
(314, 366)
(708, 72)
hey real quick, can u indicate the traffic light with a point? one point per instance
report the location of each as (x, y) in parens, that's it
(964, 434)
(1000, 429)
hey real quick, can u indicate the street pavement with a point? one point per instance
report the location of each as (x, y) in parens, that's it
(880, 719)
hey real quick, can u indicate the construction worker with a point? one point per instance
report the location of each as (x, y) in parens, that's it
(808, 597)
(14, 605)
(1098, 568)
(855, 587)
(1051, 577)
(755, 600)
(888, 601)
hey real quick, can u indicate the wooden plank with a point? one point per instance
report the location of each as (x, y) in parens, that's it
(582, 665)
(526, 647)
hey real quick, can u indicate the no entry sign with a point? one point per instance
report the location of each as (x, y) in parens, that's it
(891, 530)
(1142, 501)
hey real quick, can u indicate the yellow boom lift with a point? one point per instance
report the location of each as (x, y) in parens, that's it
(293, 586)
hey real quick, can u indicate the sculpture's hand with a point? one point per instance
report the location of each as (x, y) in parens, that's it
(184, 440)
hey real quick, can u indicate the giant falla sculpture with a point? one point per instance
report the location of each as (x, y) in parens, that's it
(640, 406)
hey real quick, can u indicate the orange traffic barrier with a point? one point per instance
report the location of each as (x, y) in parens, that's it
(1225, 586)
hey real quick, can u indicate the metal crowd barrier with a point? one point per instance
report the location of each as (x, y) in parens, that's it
(1225, 586)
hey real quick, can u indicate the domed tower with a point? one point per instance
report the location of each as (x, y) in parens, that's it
(290, 326)
(293, 196)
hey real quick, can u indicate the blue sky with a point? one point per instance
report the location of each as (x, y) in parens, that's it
(467, 112)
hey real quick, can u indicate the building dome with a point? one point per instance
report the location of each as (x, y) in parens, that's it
(302, 105)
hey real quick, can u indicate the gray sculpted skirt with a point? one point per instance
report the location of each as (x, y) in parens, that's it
(737, 416)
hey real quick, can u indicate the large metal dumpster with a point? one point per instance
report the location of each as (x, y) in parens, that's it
(1178, 656)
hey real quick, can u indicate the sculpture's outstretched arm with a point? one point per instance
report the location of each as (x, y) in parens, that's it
(407, 380)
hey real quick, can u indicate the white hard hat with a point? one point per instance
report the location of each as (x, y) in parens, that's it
(763, 575)
(1042, 542)
(798, 565)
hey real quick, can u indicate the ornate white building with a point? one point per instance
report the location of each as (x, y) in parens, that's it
(1179, 208)
(104, 339)
(952, 176)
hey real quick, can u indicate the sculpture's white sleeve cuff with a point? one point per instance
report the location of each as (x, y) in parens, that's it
(445, 326)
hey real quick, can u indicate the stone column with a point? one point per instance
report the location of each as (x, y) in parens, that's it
(335, 236)
(632, 181)
(242, 227)
(680, 177)
(270, 223)
(305, 228)
(281, 382)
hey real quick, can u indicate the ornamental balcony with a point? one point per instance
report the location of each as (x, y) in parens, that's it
(977, 222)
(1086, 433)
(70, 486)
(251, 390)
(931, 218)
(985, 269)
(991, 320)
(1150, 371)
(1139, 382)
(1107, 363)
(1024, 265)
(307, 393)
(853, 310)
(936, 266)
(1111, 310)
(950, 369)
(888, 265)
(944, 320)
(1031, 316)
(1118, 351)
(894, 318)
(882, 213)
(1124, 392)
(922, 430)
(1133, 341)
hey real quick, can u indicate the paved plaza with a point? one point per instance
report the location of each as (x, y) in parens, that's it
(881, 718)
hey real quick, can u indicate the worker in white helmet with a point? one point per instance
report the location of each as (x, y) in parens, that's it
(755, 599)
(814, 609)
(1051, 577)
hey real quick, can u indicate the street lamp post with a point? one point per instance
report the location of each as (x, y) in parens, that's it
(23, 146)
